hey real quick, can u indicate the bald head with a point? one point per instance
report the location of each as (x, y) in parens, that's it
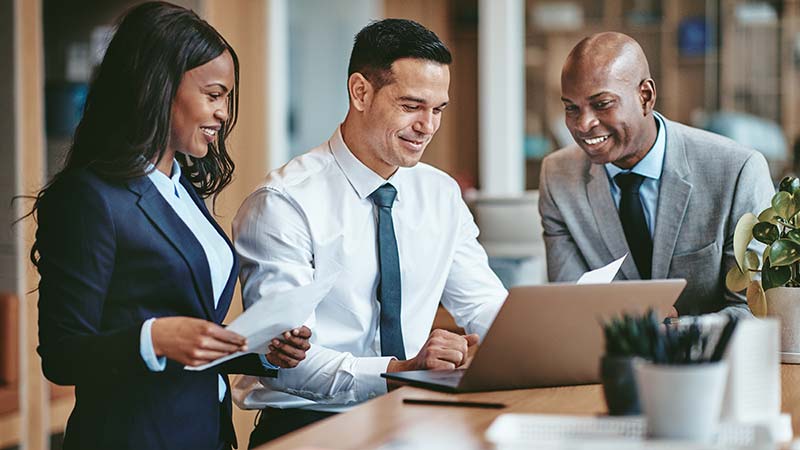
(608, 98)
(608, 54)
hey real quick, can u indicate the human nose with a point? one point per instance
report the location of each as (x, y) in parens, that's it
(221, 113)
(427, 123)
(586, 120)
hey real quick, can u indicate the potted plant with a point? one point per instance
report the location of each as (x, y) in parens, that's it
(626, 338)
(774, 294)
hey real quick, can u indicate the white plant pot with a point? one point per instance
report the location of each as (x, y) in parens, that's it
(784, 303)
(682, 401)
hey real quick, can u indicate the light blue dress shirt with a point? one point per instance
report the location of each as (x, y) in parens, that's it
(217, 251)
(650, 168)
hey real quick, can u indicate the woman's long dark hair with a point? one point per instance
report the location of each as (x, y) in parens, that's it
(126, 119)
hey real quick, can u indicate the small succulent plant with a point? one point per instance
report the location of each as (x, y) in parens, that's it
(631, 336)
(778, 227)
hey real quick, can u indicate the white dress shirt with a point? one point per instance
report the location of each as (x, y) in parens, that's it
(320, 196)
(219, 255)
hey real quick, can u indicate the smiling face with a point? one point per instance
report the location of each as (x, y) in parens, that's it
(397, 122)
(608, 107)
(200, 108)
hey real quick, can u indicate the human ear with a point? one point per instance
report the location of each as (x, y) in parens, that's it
(647, 95)
(360, 90)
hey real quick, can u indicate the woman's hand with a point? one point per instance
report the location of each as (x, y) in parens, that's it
(194, 342)
(288, 350)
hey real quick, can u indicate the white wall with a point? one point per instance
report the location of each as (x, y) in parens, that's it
(321, 36)
(501, 96)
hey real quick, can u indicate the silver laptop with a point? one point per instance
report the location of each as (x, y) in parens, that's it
(548, 335)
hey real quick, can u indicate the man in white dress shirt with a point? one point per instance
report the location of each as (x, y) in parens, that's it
(408, 239)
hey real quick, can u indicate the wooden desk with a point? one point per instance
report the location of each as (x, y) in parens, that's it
(387, 419)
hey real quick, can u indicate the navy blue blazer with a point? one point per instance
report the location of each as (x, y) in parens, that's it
(111, 256)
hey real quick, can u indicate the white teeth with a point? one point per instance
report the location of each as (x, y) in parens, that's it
(596, 140)
(209, 131)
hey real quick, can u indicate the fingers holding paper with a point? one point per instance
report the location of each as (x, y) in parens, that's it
(192, 341)
(290, 348)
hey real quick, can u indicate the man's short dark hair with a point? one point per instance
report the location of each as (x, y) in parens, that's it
(378, 45)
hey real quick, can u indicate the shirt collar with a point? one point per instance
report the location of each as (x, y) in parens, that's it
(164, 183)
(650, 166)
(363, 180)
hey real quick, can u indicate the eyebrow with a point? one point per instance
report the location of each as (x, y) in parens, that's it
(600, 94)
(591, 97)
(409, 98)
(224, 88)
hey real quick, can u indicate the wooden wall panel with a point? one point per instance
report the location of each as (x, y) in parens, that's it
(29, 115)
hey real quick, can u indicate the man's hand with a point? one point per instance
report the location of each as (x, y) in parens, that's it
(673, 313)
(290, 349)
(443, 350)
(193, 342)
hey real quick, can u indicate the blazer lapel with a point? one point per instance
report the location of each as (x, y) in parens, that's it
(673, 199)
(180, 236)
(227, 293)
(608, 224)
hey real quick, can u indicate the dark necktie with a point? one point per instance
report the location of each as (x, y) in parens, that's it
(634, 223)
(389, 283)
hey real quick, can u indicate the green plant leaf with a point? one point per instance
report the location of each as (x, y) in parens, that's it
(768, 215)
(766, 232)
(784, 252)
(742, 235)
(793, 235)
(751, 261)
(783, 204)
(756, 299)
(736, 280)
(796, 200)
(774, 276)
(789, 184)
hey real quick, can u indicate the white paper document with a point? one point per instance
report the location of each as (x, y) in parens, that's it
(268, 318)
(603, 275)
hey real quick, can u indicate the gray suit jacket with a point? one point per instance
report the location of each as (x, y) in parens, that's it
(707, 183)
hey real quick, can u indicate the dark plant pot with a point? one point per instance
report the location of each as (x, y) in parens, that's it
(619, 385)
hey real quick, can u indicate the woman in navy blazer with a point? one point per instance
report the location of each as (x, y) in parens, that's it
(136, 276)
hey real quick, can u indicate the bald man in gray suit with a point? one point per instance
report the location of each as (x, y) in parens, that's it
(667, 194)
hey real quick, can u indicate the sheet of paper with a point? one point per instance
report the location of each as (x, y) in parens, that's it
(270, 317)
(603, 275)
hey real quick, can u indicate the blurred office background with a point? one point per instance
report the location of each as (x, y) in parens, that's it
(726, 65)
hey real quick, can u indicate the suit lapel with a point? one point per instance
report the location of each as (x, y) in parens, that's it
(227, 293)
(608, 224)
(180, 236)
(673, 199)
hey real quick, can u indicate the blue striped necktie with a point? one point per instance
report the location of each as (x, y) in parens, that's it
(389, 283)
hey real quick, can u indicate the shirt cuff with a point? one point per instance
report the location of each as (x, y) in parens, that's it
(221, 388)
(367, 373)
(265, 362)
(153, 362)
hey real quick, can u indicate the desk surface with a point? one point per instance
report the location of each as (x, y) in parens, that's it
(387, 420)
